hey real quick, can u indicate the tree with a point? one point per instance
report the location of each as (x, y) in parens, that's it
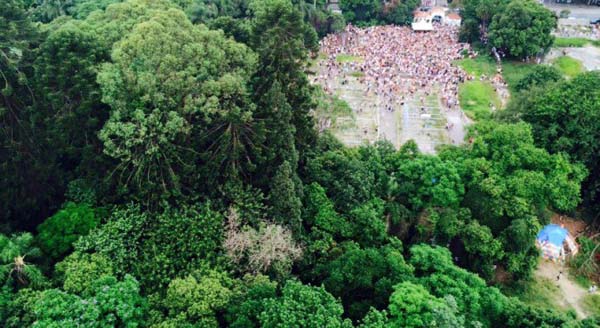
(302, 306)
(70, 108)
(565, 119)
(539, 76)
(14, 270)
(249, 302)
(401, 13)
(285, 203)
(477, 16)
(78, 271)
(362, 12)
(158, 246)
(523, 29)
(58, 233)
(196, 299)
(412, 306)
(110, 302)
(268, 249)
(363, 278)
(283, 41)
(482, 248)
(181, 85)
(30, 189)
(508, 178)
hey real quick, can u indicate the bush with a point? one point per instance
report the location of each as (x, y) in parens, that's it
(58, 233)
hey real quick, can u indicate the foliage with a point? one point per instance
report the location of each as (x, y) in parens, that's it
(302, 306)
(79, 270)
(476, 18)
(194, 300)
(248, 303)
(412, 306)
(109, 303)
(148, 138)
(564, 119)
(363, 278)
(160, 246)
(587, 261)
(364, 13)
(361, 11)
(592, 304)
(131, 127)
(539, 76)
(14, 270)
(523, 29)
(58, 233)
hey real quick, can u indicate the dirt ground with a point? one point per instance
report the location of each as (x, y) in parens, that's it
(571, 294)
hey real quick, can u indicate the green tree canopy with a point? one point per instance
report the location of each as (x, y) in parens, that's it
(523, 29)
(58, 233)
(565, 119)
(303, 306)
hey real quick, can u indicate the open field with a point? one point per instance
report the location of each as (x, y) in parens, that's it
(476, 97)
(569, 66)
(574, 42)
(481, 65)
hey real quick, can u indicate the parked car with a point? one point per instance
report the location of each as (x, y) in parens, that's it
(595, 22)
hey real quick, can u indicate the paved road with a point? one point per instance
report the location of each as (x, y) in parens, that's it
(577, 11)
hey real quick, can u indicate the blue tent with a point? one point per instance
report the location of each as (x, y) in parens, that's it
(550, 240)
(553, 234)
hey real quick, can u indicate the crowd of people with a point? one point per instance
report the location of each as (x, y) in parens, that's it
(397, 63)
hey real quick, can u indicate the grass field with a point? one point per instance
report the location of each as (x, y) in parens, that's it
(513, 71)
(569, 66)
(540, 292)
(591, 303)
(344, 58)
(475, 98)
(478, 66)
(574, 42)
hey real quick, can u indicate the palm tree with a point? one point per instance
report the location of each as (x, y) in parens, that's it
(13, 267)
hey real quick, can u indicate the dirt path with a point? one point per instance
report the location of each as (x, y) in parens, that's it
(571, 293)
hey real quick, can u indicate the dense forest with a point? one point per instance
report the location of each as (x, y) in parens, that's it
(160, 167)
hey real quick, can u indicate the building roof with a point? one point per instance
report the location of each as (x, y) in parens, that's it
(453, 16)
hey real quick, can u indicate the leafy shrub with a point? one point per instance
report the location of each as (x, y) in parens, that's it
(58, 233)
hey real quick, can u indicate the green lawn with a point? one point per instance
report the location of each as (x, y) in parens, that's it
(569, 66)
(475, 98)
(574, 42)
(538, 291)
(513, 71)
(344, 58)
(478, 66)
(591, 304)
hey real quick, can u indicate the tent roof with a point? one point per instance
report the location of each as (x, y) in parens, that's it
(554, 234)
